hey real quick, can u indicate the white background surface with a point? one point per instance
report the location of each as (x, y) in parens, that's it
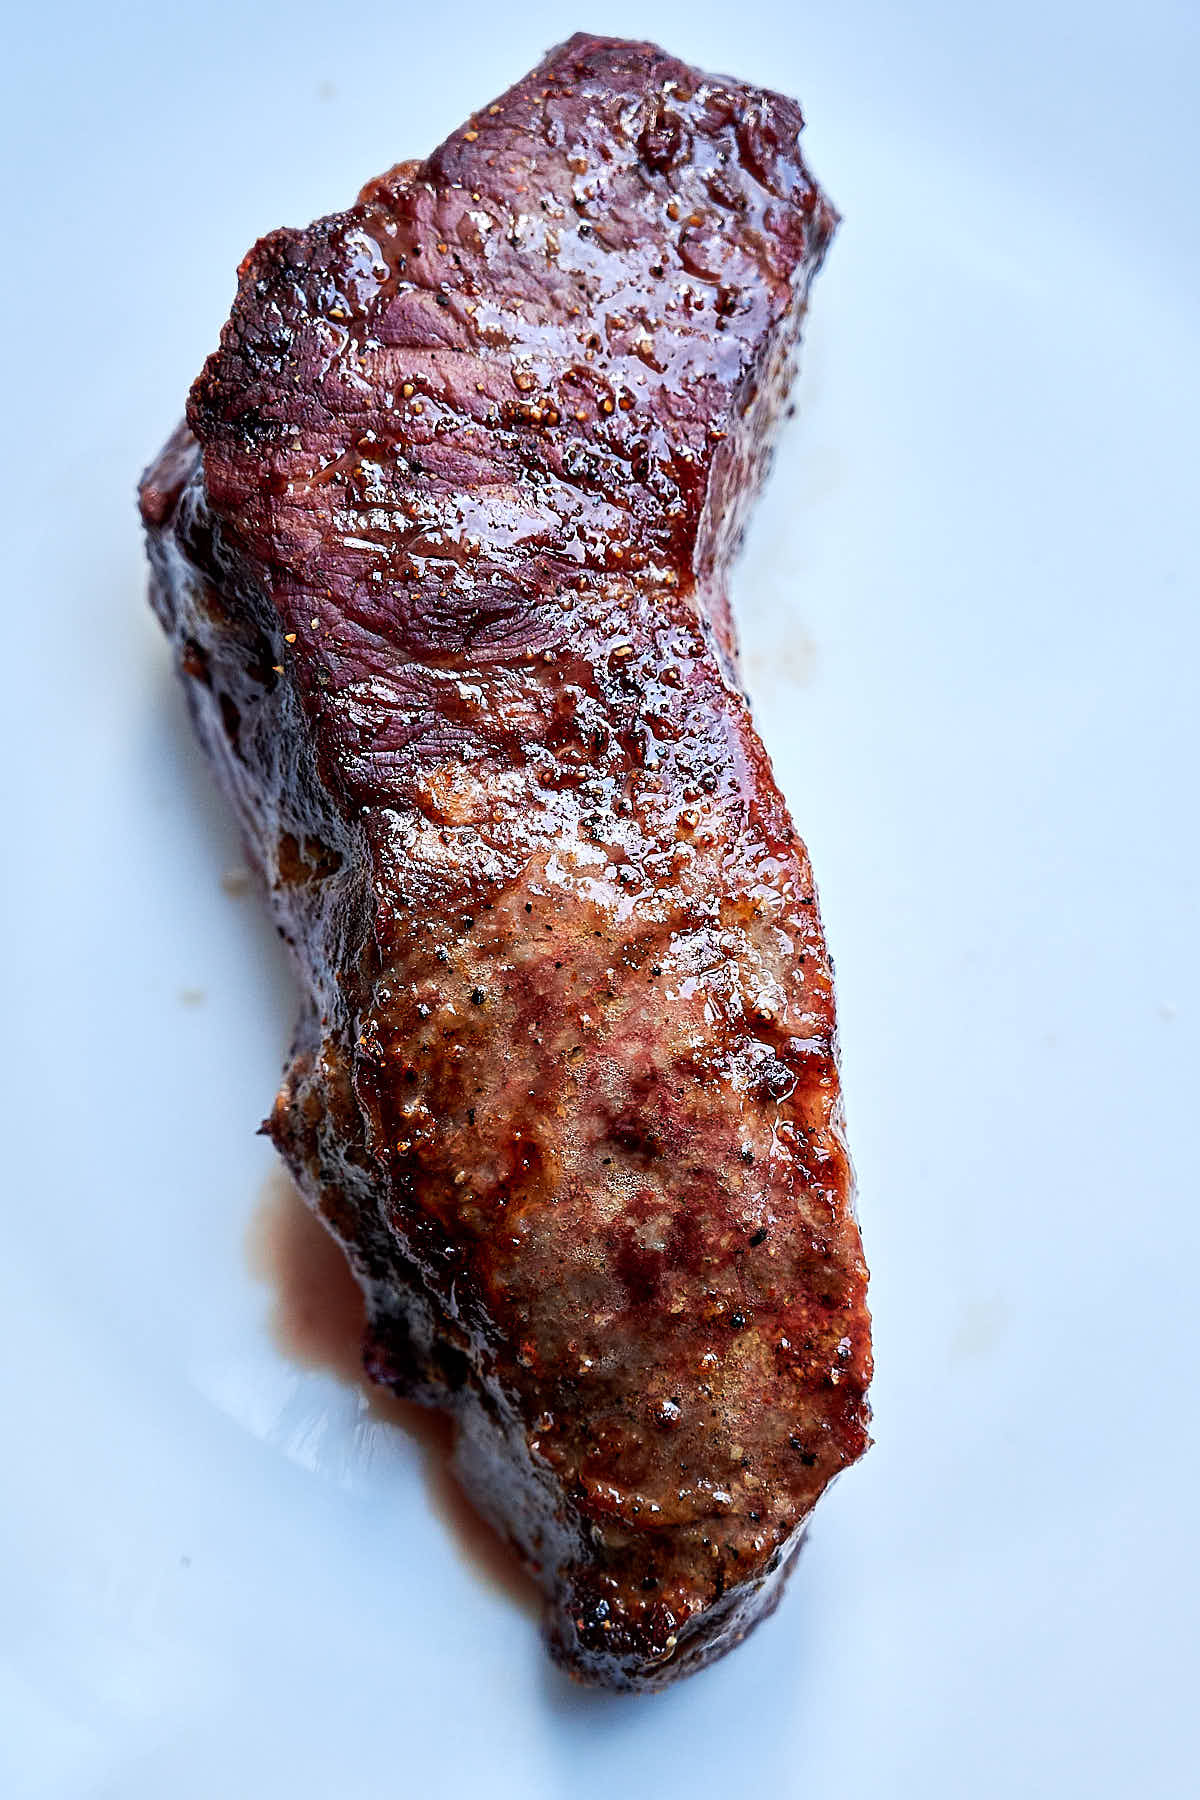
(969, 606)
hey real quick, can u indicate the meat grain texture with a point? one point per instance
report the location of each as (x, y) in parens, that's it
(443, 551)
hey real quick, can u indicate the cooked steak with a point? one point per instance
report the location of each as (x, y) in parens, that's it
(443, 552)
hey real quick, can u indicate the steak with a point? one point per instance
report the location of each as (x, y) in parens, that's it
(443, 551)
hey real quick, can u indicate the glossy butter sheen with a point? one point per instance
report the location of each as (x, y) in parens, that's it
(443, 550)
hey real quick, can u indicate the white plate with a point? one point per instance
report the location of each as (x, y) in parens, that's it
(970, 614)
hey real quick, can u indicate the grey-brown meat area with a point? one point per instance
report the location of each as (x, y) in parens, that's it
(443, 552)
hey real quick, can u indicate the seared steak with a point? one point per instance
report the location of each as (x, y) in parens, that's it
(443, 552)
